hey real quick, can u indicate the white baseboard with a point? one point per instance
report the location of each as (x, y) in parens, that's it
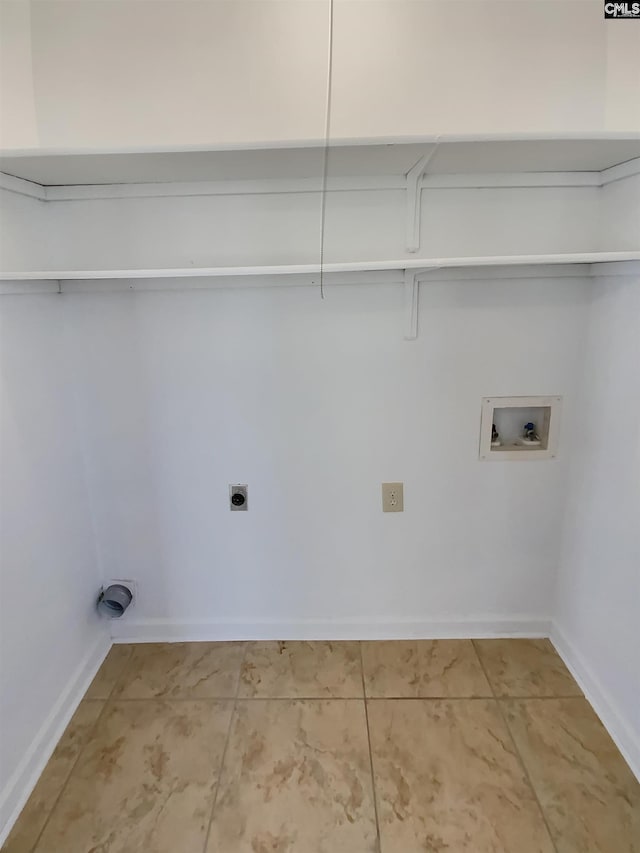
(170, 630)
(622, 734)
(22, 782)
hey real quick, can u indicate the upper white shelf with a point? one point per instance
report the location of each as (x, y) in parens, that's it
(443, 156)
(402, 264)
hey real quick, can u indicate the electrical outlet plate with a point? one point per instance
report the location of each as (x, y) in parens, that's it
(243, 491)
(392, 497)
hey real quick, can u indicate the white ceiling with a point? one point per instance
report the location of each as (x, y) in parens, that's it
(343, 160)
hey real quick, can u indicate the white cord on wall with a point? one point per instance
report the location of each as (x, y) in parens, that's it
(325, 164)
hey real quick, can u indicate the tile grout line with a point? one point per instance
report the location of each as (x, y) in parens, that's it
(373, 778)
(106, 703)
(525, 770)
(224, 751)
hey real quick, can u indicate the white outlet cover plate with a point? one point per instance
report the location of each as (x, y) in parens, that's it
(387, 490)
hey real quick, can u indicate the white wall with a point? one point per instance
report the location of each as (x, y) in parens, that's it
(50, 636)
(597, 614)
(18, 125)
(284, 228)
(619, 226)
(180, 72)
(24, 236)
(313, 404)
(597, 610)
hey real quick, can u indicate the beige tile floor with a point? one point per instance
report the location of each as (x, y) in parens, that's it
(376, 747)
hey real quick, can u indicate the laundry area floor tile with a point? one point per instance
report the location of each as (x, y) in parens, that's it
(429, 746)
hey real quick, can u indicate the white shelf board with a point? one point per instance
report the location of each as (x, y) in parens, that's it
(355, 158)
(418, 264)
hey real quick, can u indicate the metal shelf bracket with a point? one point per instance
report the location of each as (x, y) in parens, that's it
(411, 293)
(414, 198)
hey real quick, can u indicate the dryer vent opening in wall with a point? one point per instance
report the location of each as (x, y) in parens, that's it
(114, 599)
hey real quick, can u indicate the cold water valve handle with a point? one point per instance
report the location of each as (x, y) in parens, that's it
(530, 435)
